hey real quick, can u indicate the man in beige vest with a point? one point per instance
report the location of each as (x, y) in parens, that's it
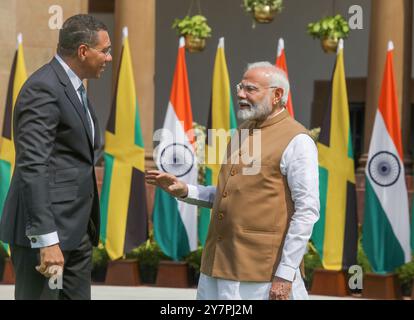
(263, 210)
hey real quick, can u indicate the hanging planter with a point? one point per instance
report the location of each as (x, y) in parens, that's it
(195, 30)
(263, 11)
(329, 30)
(194, 44)
(329, 45)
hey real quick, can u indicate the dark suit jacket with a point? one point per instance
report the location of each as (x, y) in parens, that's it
(53, 187)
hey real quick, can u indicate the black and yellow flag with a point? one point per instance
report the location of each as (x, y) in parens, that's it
(123, 200)
(18, 76)
(335, 234)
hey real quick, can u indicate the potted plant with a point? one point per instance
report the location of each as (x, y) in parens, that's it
(99, 263)
(329, 30)
(194, 263)
(149, 256)
(263, 11)
(195, 30)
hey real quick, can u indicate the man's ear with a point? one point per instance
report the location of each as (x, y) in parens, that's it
(82, 52)
(278, 94)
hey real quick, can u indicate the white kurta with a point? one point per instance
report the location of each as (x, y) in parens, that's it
(299, 163)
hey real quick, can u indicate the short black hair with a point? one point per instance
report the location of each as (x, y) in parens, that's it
(77, 30)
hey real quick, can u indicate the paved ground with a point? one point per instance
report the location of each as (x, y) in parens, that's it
(140, 293)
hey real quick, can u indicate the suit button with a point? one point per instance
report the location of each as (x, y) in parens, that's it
(220, 216)
(240, 153)
(34, 240)
(91, 195)
(233, 172)
(219, 238)
(225, 194)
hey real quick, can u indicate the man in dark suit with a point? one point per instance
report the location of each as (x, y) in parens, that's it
(51, 214)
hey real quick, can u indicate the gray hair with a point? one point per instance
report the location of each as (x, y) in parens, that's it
(278, 77)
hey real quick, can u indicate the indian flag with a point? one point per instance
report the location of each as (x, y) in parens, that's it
(282, 64)
(123, 200)
(386, 229)
(221, 121)
(175, 222)
(18, 76)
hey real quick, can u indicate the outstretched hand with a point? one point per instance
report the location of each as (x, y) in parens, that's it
(167, 182)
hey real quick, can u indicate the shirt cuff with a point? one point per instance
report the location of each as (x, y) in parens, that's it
(44, 240)
(192, 192)
(285, 272)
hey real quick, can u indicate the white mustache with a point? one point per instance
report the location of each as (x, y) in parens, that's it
(245, 102)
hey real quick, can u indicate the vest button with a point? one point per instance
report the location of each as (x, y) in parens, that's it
(220, 216)
(225, 194)
(219, 238)
(240, 153)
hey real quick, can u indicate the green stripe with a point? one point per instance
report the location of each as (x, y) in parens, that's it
(412, 227)
(106, 187)
(350, 148)
(5, 175)
(233, 121)
(318, 234)
(139, 141)
(205, 213)
(169, 230)
(380, 244)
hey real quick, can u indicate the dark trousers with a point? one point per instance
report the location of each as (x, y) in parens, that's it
(31, 285)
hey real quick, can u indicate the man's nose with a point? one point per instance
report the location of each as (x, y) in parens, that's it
(241, 94)
(109, 58)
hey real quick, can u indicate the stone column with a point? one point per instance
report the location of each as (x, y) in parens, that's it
(390, 20)
(139, 17)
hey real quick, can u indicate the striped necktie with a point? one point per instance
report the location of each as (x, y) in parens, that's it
(84, 98)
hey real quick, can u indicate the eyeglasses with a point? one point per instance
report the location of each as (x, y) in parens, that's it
(106, 51)
(249, 88)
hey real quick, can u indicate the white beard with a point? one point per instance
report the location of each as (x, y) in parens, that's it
(256, 112)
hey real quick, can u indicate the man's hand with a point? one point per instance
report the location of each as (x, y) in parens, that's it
(167, 182)
(280, 289)
(50, 256)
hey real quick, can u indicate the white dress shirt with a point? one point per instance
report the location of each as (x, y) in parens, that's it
(45, 240)
(299, 163)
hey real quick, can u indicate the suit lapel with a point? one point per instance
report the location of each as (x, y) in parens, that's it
(73, 96)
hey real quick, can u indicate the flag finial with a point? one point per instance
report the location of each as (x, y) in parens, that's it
(221, 42)
(390, 46)
(340, 45)
(124, 32)
(280, 46)
(182, 42)
(19, 38)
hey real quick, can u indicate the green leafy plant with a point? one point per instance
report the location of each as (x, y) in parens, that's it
(312, 262)
(194, 262)
(249, 5)
(195, 25)
(333, 27)
(405, 275)
(100, 260)
(149, 255)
